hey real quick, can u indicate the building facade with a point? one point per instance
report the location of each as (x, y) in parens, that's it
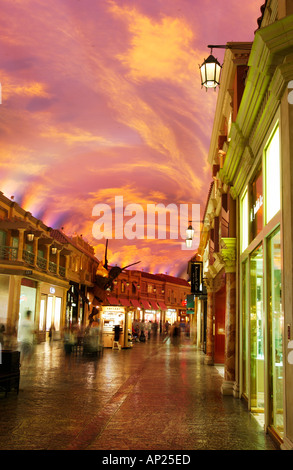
(252, 153)
(43, 271)
(138, 296)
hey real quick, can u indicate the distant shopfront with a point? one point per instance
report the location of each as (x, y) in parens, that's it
(52, 300)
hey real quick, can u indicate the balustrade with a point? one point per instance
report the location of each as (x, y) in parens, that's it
(8, 253)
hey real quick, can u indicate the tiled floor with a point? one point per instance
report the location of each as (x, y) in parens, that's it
(150, 397)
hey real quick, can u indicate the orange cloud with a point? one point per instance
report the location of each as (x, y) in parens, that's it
(158, 49)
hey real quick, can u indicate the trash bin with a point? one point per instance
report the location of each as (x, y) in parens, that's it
(9, 370)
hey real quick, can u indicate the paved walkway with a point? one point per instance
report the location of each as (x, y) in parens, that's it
(150, 397)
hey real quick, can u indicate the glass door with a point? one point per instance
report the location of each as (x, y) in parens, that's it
(245, 330)
(256, 331)
(276, 321)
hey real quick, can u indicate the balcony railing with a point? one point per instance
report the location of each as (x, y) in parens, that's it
(8, 253)
(62, 271)
(42, 262)
(52, 267)
(28, 257)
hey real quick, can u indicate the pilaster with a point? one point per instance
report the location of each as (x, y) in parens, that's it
(228, 252)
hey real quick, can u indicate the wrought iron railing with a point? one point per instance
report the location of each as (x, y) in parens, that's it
(8, 253)
(42, 262)
(52, 267)
(62, 271)
(28, 257)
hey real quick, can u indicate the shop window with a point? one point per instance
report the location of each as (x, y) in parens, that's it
(245, 334)
(276, 322)
(273, 179)
(256, 205)
(257, 330)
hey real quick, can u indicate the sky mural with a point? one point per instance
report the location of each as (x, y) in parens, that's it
(101, 102)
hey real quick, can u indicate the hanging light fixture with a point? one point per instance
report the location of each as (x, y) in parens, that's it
(210, 72)
(189, 235)
(30, 237)
(188, 242)
(54, 250)
(190, 231)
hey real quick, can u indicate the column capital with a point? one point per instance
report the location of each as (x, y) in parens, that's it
(213, 284)
(228, 252)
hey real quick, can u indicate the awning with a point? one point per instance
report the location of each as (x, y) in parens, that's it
(135, 303)
(145, 304)
(162, 305)
(125, 302)
(154, 304)
(112, 301)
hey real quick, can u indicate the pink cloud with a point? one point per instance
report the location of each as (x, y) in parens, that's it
(103, 99)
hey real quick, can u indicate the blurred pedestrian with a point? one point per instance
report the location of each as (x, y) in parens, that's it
(142, 332)
(51, 334)
(149, 325)
(167, 325)
(2, 331)
(175, 334)
(26, 337)
(69, 341)
(155, 328)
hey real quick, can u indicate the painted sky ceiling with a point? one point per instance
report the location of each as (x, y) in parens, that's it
(102, 99)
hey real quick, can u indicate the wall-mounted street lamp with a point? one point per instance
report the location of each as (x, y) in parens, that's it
(210, 70)
(189, 235)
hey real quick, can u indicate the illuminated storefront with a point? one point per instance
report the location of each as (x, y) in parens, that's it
(52, 301)
(262, 375)
(116, 316)
(171, 315)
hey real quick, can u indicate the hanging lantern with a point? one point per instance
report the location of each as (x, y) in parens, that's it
(190, 231)
(30, 237)
(188, 242)
(210, 72)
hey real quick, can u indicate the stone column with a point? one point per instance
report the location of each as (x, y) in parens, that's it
(20, 244)
(209, 358)
(36, 245)
(229, 256)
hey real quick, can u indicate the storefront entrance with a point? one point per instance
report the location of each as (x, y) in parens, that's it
(263, 324)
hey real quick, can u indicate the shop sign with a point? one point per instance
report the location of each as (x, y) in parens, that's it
(112, 309)
(196, 277)
(256, 207)
(190, 303)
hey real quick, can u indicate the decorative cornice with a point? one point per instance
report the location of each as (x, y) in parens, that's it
(270, 69)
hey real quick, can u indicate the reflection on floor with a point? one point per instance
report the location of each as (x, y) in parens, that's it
(260, 418)
(220, 369)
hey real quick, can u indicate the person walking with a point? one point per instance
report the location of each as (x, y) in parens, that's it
(26, 338)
